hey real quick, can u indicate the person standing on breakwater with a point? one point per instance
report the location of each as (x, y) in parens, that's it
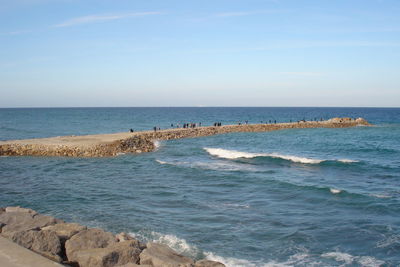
(131, 130)
(155, 128)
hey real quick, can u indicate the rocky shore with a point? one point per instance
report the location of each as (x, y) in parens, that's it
(107, 145)
(75, 245)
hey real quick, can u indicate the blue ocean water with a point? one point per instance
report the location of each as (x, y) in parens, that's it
(298, 197)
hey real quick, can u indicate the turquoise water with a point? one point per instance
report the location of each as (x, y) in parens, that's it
(299, 197)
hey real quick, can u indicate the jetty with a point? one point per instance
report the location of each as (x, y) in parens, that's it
(108, 145)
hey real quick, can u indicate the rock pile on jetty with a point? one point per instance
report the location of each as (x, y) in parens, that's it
(107, 145)
(75, 245)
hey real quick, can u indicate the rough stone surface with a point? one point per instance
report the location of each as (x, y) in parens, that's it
(87, 239)
(159, 255)
(19, 209)
(133, 265)
(45, 243)
(65, 230)
(121, 237)
(208, 263)
(24, 238)
(15, 217)
(115, 254)
(23, 221)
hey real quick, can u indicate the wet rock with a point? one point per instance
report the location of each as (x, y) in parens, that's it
(159, 255)
(65, 230)
(87, 239)
(208, 263)
(115, 254)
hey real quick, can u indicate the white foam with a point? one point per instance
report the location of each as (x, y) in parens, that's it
(120, 153)
(335, 191)
(230, 262)
(381, 196)
(348, 160)
(348, 259)
(161, 162)
(339, 256)
(178, 244)
(233, 154)
(157, 144)
(394, 239)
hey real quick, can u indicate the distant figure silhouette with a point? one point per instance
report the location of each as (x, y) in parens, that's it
(155, 128)
(131, 130)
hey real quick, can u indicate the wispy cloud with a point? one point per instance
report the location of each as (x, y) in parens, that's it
(299, 45)
(98, 18)
(246, 13)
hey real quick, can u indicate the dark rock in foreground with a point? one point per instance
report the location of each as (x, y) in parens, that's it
(76, 245)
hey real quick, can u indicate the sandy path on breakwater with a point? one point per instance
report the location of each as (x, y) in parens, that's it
(102, 145)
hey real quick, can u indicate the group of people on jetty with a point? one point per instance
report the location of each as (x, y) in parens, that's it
(193, 125)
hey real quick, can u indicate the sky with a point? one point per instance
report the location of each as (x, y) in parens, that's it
(134, 53)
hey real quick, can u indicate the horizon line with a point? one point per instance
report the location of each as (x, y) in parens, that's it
(70, 107)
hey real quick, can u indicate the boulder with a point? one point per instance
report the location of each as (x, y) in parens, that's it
(23, 238)
(208, 263)
(133, 265)
(19, 209)
(159, 255)
(123, 237)
(24, 221)
(65, 230)
(115, 254)
(87, 239)
(45, 243)
(14, 217)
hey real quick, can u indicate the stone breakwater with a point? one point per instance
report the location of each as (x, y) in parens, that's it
(72, 244)
(107, 145)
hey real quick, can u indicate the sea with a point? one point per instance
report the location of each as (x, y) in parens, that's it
(294, 197)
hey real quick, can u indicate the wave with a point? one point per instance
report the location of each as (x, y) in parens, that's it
(161, 162)
(234, 154)
(217, 166)
(178, 244)
(335, 191)
(157, 144)
(348, 259)
(303, 258)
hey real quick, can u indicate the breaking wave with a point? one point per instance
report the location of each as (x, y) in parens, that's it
(234, 154)
(303, 258)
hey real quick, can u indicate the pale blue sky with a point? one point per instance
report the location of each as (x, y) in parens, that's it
(57, 53)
